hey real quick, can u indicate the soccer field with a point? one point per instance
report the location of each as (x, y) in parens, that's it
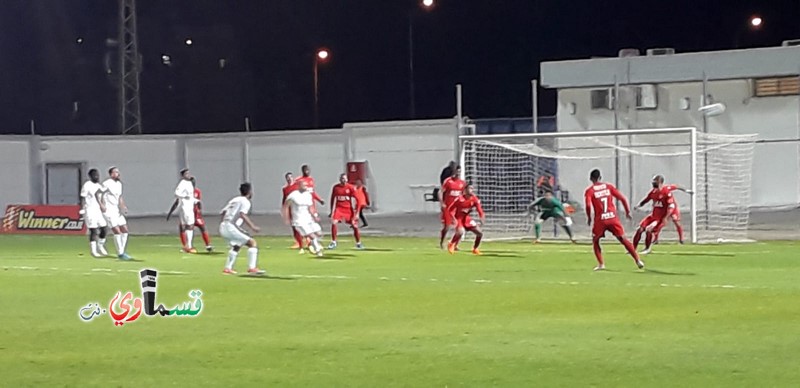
(402, 313)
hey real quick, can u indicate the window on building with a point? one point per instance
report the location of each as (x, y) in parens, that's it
(770, 87)
(602, 99)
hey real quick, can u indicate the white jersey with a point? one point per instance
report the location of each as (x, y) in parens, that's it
(301, 206)
(185, 191)
(234, 209)
(112, 195)
(88, 192)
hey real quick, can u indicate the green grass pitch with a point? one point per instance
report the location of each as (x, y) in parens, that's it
(403, 313)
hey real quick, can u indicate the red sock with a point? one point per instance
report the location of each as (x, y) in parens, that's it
(636, 238)
(680, 231)
(297, 237)
(456, 238)
(206, 238)
(478, 238)
(334, 231)
(182, 235)
(647, 240)
(629, 247)
(598, 253)
(442, 235)
(357, 235)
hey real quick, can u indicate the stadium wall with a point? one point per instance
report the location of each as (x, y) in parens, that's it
(776, 173)
(401, 156)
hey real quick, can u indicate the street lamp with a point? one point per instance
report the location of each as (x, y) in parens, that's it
(425, 5)
(321, 56)
(755, 23)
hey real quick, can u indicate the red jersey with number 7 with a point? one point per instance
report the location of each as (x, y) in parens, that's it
(600, 198)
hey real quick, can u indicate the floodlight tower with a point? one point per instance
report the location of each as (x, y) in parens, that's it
(130, 65)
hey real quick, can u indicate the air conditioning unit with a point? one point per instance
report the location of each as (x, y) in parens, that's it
(629, 52)
(660, 51)
(791, 42)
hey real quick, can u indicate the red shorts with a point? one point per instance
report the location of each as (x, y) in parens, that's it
(342, 215)
(613, 226)
(447, 217)
(652, 221)
(674, 213)
(466, 222)
(199, 221)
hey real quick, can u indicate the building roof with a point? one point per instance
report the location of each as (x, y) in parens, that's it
(716, 65)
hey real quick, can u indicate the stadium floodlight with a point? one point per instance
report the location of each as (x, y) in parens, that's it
(756, 21)
(717, 170)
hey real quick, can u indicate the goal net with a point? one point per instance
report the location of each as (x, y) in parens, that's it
(510, 171)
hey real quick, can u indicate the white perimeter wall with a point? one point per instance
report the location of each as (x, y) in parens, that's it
(15, 183)
(776, 120)
(400, 155)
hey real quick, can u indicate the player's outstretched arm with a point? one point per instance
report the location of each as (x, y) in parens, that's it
(123, 207)
(481, 214)
(173, 207)
(285, 211)
(249, 222)
(623, 200)
(333, 201)
(317, 198)
(587, 204)
(98, 195)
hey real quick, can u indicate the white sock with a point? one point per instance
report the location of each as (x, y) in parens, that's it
(118, 243)
(93, 247)
(125, 242)
(189, 234)
(316, 243)
(252, 257)
(231, 259)
(101, 242)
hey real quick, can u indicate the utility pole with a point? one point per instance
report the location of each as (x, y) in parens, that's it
(130, 65)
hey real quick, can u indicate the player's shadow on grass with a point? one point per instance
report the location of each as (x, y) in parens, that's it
(501, 255)
(266, 277)
(377, 250)
(335, 256)
(660, 272)
(706, 254)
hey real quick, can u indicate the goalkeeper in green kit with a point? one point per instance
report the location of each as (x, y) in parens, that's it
(550, 207)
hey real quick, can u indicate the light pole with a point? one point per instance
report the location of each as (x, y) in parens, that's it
(321, 56)
(425, 5)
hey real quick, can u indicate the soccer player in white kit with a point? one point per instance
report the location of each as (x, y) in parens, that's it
(116, 211)
(234, 213)
(92, 209)
(185, 193)
(301, 203)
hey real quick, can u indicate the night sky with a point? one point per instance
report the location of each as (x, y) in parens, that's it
(492, 47)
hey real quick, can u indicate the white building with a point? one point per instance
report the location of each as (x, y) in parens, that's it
(759, 88)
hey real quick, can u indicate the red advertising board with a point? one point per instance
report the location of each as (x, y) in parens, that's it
(43, 219)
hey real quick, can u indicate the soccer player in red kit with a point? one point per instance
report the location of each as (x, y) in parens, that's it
(291, 186)
(309, 183)
(342, 210)
(663, 204)
(452, 189)
(600, 197)
(674, 213)
(460, 208)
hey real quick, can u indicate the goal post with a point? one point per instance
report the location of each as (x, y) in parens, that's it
(715, 169)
